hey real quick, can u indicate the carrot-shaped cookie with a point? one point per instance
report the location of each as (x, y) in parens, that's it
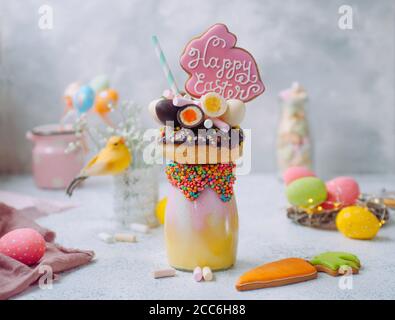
(336, 263)
(278, 273)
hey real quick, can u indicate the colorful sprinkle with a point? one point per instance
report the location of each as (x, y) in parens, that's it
(192, 179)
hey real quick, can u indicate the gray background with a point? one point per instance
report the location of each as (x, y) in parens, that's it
(349, 74)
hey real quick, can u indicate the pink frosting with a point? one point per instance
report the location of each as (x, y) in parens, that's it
(215, 64)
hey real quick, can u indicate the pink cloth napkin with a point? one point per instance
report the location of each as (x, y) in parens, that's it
(15, 277)
(33, 207)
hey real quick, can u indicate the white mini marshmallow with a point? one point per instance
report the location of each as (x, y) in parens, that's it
(207, 274)
(106, 237)
(125, 237)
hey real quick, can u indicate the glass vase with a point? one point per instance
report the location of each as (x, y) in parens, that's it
(135, 196)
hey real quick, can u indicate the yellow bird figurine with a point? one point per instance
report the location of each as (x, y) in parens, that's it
(113, 159)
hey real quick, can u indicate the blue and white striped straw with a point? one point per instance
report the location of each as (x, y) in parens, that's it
(165, 67)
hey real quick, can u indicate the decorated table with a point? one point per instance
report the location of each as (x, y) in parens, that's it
(124, 270)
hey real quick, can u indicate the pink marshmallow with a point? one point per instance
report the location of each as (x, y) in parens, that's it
(180, 102)
(198, 274)
(221, 124)
(168, 94)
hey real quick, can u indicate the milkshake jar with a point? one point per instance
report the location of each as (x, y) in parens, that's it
(201, 232)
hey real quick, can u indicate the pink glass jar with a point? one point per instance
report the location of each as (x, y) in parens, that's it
(53, 168)
(203, 232)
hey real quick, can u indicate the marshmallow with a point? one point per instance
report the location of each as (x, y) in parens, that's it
(197, 274)
(221, 124)
(164, 273)
(207, 274)
(108, 238)
(181, 101)
(125, 237)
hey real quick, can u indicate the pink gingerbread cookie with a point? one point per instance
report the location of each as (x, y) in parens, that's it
(215, 64)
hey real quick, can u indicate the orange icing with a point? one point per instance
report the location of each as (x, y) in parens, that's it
(278, 270)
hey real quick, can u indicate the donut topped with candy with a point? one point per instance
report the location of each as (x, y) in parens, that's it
(202, 124)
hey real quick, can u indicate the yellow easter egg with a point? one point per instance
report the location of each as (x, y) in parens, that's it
(357, 223)
(161, 210)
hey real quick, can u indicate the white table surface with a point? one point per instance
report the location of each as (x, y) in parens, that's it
(123, 271)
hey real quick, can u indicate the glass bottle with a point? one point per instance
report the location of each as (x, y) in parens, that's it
(294, 145)
(201, 232)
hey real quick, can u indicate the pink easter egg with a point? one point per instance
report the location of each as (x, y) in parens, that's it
(25, 245)
(342, 190)
(294, 173)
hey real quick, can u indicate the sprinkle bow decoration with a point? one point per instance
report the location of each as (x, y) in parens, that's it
(193, 179)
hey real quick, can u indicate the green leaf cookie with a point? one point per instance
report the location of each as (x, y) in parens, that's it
(335, 260)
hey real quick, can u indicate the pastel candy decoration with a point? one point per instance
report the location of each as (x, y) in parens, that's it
(357, 223)
(83, 99)
(343, 191)
(25, 245)
(306, 192)
(215, 64)
(100, 83)
(294, 173)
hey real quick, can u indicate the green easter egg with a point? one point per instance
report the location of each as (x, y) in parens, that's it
(306, 192)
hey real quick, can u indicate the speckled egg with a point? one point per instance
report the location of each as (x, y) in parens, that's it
(357, 223)
(25, 245)
(306, 192)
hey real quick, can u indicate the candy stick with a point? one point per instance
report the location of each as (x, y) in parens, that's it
(221, 124)
(125, 237)
(165, 66)
(164, 273)
(180, 102)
